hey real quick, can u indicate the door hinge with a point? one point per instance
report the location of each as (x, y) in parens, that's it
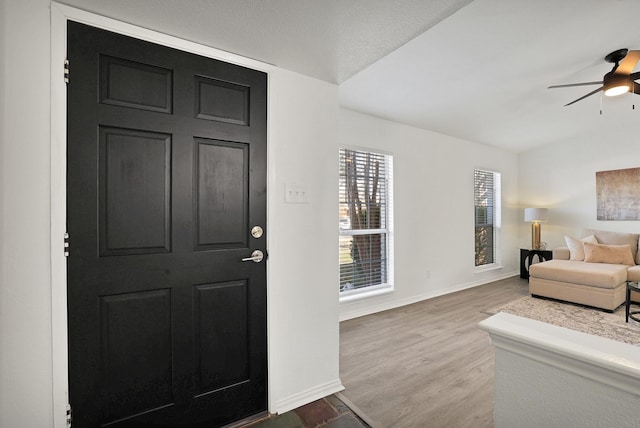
(66, 244)
(66, 71)
(69, 416)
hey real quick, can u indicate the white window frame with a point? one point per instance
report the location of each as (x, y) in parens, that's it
(497, 220)
(386, 287)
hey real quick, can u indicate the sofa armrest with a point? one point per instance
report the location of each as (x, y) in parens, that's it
(561, 253)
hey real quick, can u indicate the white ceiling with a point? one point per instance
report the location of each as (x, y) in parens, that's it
(328, 39)
(482, 73)
(476, 70)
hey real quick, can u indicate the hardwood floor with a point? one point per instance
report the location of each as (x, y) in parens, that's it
(426, 364)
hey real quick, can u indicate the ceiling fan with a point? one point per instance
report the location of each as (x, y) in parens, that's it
(618, 81)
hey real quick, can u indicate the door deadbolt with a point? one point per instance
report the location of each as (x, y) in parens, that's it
(256, 232)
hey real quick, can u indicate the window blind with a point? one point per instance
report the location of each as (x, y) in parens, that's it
(364, 218)
(486, 205)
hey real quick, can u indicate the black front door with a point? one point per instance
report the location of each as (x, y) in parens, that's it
(166, 176)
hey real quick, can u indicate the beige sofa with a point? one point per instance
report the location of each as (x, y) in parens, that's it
(598, 279)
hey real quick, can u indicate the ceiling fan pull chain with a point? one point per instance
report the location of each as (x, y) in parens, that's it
(600, 103)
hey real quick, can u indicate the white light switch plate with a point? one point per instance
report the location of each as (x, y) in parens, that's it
(296, 194)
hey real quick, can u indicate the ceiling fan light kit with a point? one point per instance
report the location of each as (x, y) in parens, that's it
(618, 81)
(615, 84)
(616, 90)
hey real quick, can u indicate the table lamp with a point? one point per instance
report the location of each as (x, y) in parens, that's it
(536, 216)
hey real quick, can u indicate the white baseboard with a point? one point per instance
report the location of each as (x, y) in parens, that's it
(347, 314)
(306, 397)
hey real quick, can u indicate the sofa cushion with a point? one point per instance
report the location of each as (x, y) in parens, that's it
(614, 254)
(561, 253)
(576, 247)
(615, 238)
(602, 275)
(633, 273)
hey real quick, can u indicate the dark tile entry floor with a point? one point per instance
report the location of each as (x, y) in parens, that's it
(328, 412)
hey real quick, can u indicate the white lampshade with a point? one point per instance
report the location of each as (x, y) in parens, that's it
(536, 214)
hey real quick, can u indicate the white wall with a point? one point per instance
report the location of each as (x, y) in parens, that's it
(3, 63)
(433, 209)
(561, 175)
(25, 325)
(302, 293)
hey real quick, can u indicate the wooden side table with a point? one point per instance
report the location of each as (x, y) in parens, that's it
(526, 258)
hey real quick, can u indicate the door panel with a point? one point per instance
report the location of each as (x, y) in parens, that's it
(222, 101)
(166, 176)
(132, 84)
(221, 335)
(136, 352)
(222, 187)
(135, 192)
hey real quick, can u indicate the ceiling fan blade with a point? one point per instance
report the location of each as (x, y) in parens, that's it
(636, 88)
(628, 63)
(585, 96)
(635, 76)
(568, 85)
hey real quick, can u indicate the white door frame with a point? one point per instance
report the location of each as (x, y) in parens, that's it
(60, 14)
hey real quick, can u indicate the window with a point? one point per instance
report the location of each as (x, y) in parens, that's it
(487, 216)
(365, 220)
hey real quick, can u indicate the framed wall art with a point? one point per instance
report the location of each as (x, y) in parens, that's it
(618, 194)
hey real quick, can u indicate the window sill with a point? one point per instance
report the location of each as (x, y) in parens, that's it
(488, 268)
(364, 294)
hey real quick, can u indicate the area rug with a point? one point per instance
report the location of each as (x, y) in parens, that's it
(576, 317)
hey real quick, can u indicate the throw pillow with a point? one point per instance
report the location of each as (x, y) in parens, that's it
(614, 254)
(576, 246)
(615, 238)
